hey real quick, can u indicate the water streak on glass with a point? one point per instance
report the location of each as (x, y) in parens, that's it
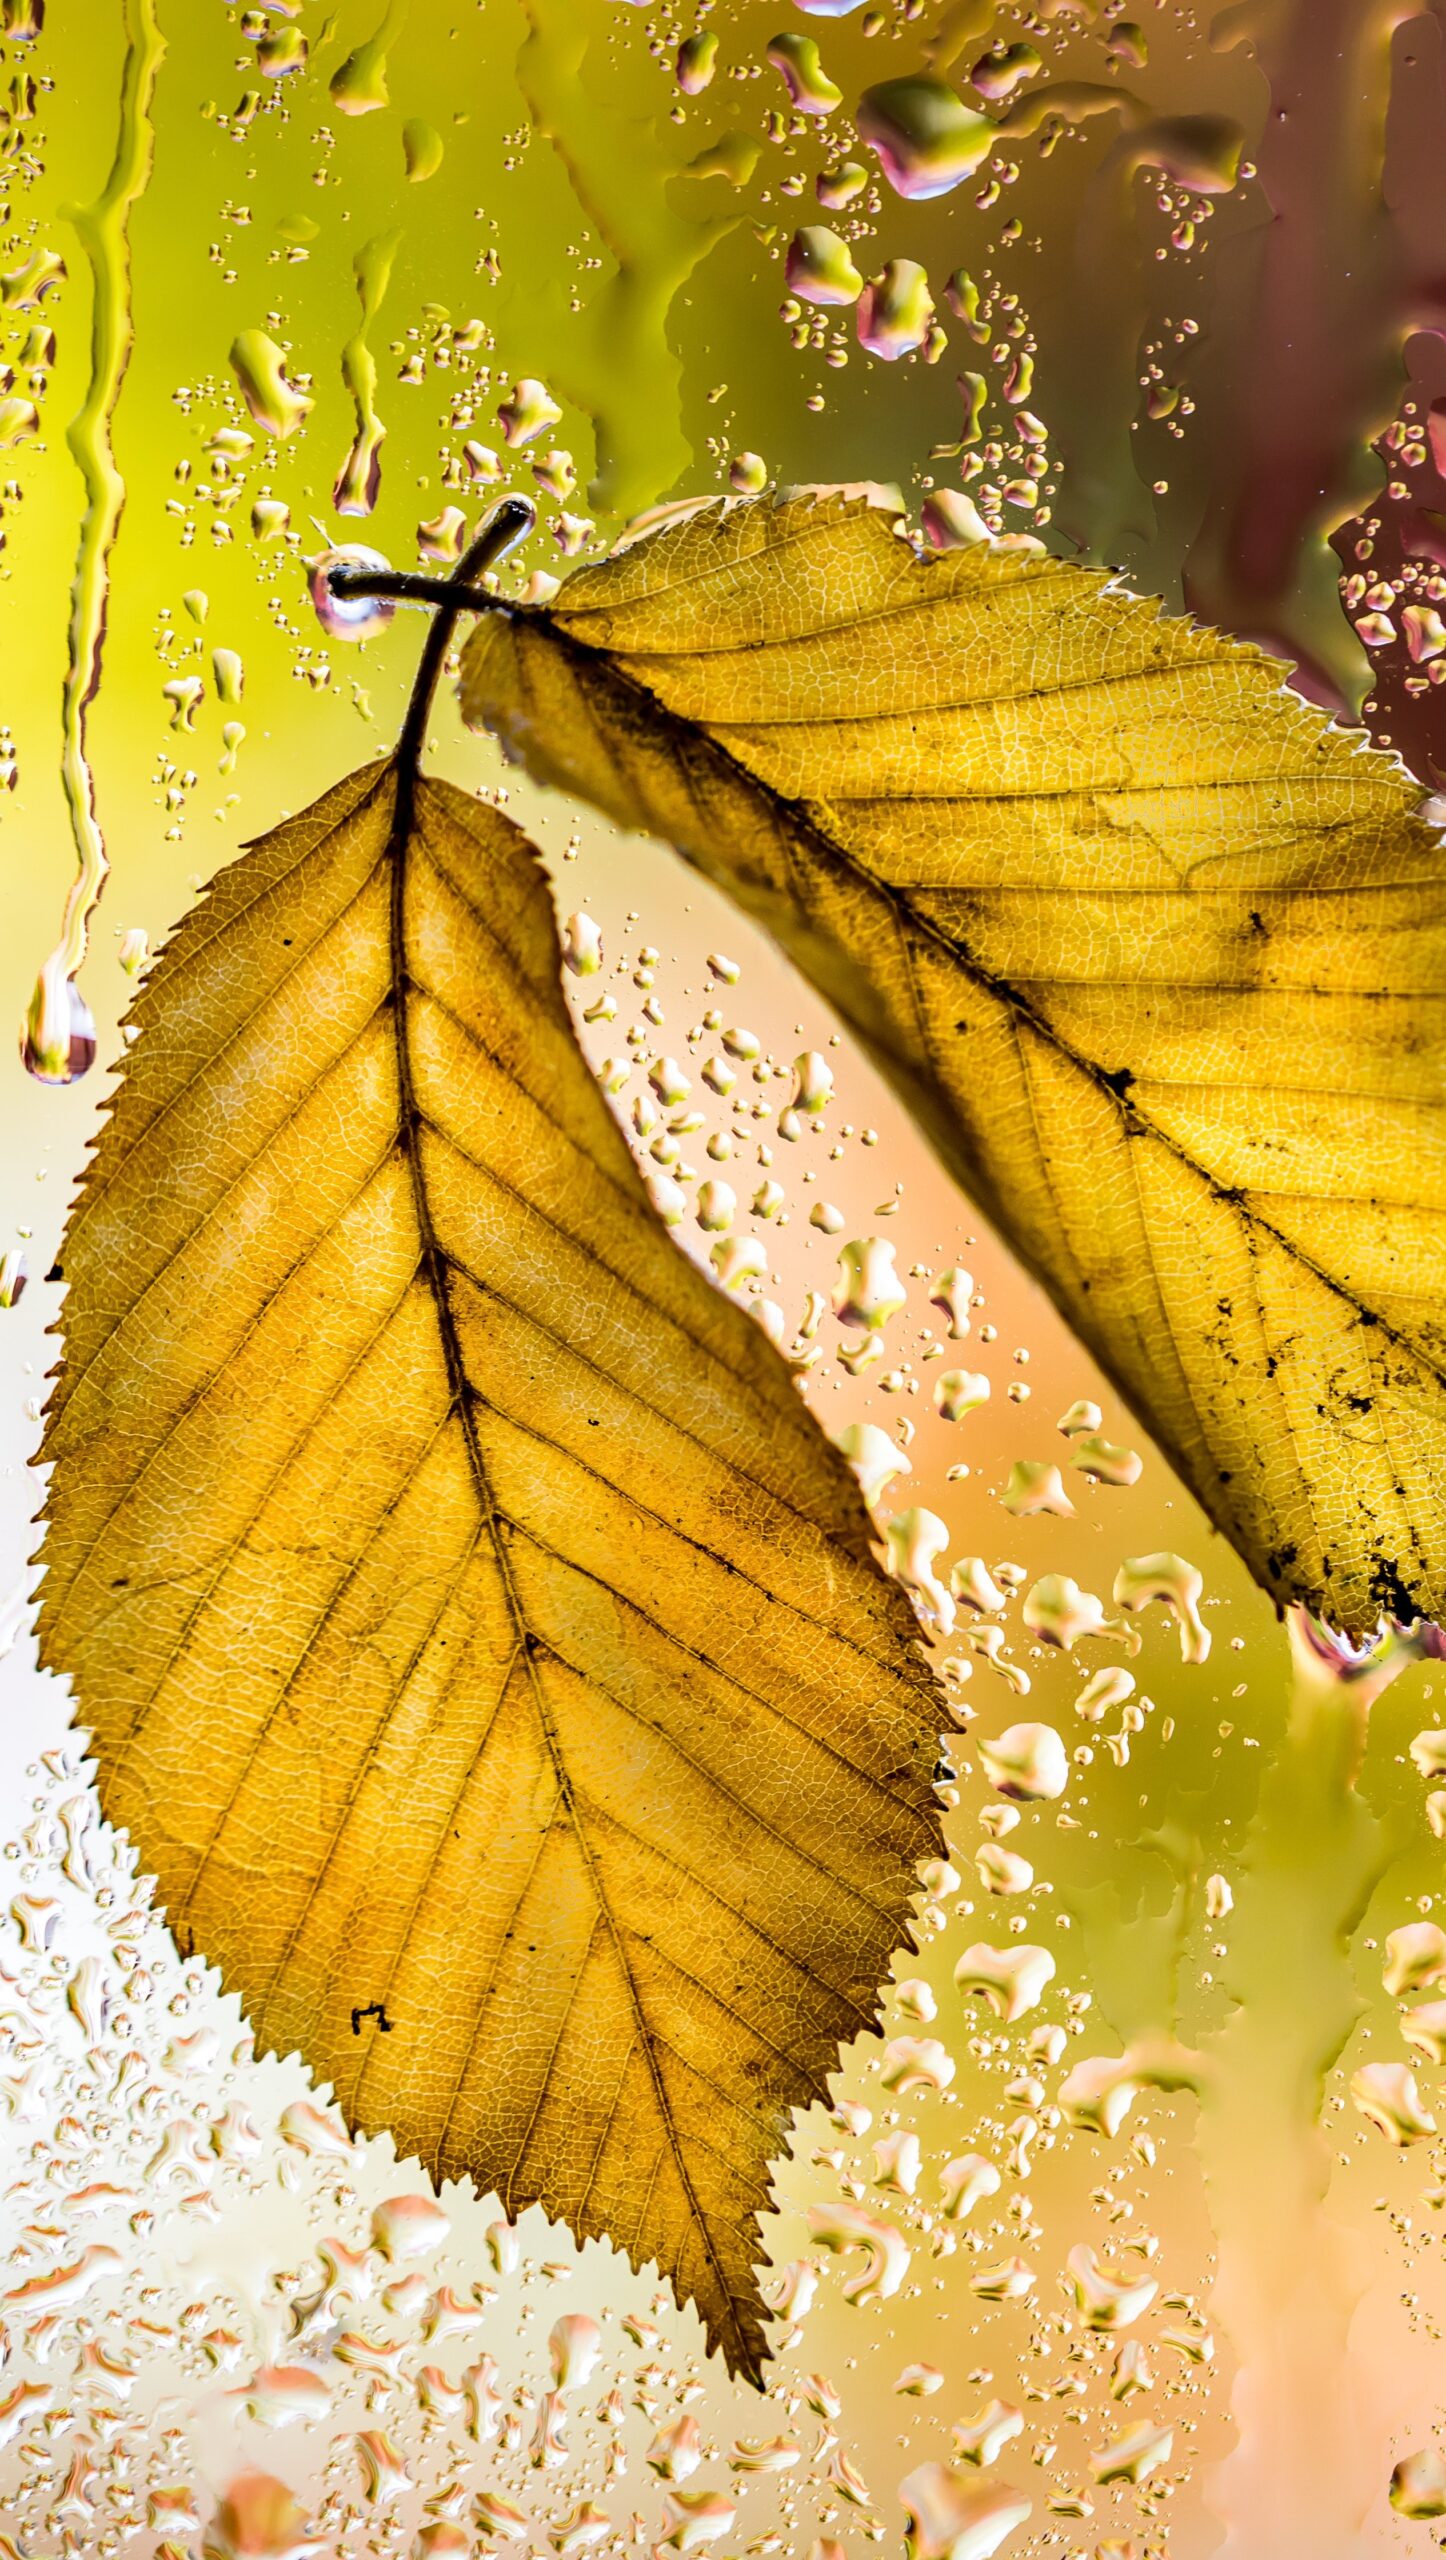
(59, 1042)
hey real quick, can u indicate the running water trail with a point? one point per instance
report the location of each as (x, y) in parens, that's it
(59, 1042)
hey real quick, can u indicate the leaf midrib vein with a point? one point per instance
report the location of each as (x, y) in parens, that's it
(745, 1920)
(711, 1781)
(633, 1500)
(436, 1276)
(802, 816)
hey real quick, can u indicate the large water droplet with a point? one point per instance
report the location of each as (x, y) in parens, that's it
(260, 369)
(895, 310)
(57, 1042)
(349, 617)
(926, 138)
(1011, 1979)
(1027, 1762)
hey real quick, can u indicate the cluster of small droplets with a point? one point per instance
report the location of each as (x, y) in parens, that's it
(915, 2190)
(219, 2312)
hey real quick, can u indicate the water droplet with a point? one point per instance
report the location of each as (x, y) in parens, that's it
(260, 369)
(1170, 1579)
(792, 2292)
(952, 522)
(408, 2226)
(1424, 2029)
(1082, 1415)
(874, 1457)
(549, 2436)
(699, 2516)
(439, 537)
(497, 2516)
(919, 2382)
(1104, 1461)
(1131, 2457)
(1059, 1613)
(421, 150)
(1104, 2301)
(1415, 1957)
(837, 186)
(229, 675)
(810, 90)
(1002, 1871)
(582, 945)
(384, 2473)
(1035, 1485)
(736, 1259)
(916, 2062)
(716, 1206)
(1097, 2094)
(1013, 1980)
(24, 288)
(309, 2130)
(185, 695)
(897, 2160)
(281, 51)
(582, 2530)
(445, 2541)
(57, 1044)
(359, 86)
(926, 139)
(868, 1290)
(915, 1539)
(895, 310)
(1385, 2093)
(529, 409)
(915, 1999)
(768, 2454)
(1425, 631)
(259, 2519)
(972, 1583)
(1104, 1689)
(1028, 1763)
(981, 2440)
(676, 2450)
(695, 61)
(669, 1199)
(282, 2395)
(1007, 2280)
(838, 2227)
(958, 1392)
(349, 617)
(999, 71)
(19, 420)
(1418, 2484)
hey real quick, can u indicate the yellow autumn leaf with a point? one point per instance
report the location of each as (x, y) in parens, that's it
(481, 1642)
(1154, 952)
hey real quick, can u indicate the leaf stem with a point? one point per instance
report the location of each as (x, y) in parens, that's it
(413, 586)
(508, 522)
